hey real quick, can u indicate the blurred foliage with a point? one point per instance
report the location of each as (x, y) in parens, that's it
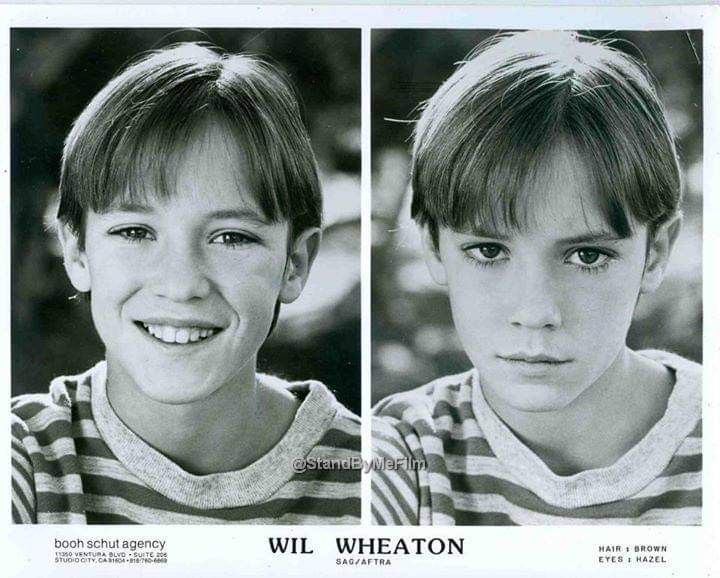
(412, 333)
(55, 73)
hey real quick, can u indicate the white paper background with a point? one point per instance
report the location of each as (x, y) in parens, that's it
(489, 551)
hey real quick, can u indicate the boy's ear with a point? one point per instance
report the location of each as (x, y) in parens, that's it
(660, 246)
(74, 258)
(431, 255)
(300, 259)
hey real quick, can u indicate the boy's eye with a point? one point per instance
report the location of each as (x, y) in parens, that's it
(489, 251)
(232, 239)
(486, 253)
(589, 258)
(133, 233)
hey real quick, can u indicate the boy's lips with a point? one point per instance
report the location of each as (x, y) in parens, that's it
(534, 358)
(534, 365)
(179, 322)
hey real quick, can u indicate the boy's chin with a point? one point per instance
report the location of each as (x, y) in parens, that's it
(533, 397)
(169, 389)
(176, 393)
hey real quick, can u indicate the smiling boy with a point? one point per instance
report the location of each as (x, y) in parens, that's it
(547, 190)
(190, 209)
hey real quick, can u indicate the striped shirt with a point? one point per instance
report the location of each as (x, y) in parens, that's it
(477, 472)
(74, 461)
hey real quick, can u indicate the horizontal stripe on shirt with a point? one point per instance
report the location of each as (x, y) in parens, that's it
(64, 471)
(467, 482)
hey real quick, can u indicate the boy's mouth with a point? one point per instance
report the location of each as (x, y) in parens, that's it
(538, 359)
(181, 335)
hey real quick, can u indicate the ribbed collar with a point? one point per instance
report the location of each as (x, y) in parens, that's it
(253, 484)
(628, 475)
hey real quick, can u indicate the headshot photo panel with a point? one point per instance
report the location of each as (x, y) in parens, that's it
(537, 277)
(185, 275)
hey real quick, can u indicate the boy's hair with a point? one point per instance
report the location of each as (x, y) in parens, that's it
(488, 130)
(121, 144)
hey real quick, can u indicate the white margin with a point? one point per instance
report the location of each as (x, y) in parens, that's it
(556, 551)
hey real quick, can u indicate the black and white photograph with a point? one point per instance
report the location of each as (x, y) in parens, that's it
(357, 287)
(185, 227)
(537, 276)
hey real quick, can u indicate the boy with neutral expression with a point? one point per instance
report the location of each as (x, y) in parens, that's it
(547, 190)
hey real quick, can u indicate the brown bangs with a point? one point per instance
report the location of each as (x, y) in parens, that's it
(492, 128)
(127, 142)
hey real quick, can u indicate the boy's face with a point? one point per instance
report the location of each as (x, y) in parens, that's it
(544, 312)
(183, 289)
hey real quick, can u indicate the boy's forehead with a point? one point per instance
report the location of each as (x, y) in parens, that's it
(198, 203)
(209, 171)
(201, 207)
(559, 199)
(211, 155)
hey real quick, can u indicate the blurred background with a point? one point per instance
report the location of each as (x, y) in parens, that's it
(56, 72)
(412, 334)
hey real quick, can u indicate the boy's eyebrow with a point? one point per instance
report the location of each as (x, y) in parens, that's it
(130, 207)
(490, 234)
(592, 237)
(240, 214)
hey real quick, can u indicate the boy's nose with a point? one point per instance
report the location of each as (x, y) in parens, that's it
(535, 303)
(180, 276)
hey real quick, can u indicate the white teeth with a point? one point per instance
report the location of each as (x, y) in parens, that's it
(171, 334)
(168, 334)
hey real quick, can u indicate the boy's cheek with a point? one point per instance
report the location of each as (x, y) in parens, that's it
(605, 304)
(477, 310)
(478, 326)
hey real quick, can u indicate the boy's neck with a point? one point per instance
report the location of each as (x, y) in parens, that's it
(601, 425)
(228, 430)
